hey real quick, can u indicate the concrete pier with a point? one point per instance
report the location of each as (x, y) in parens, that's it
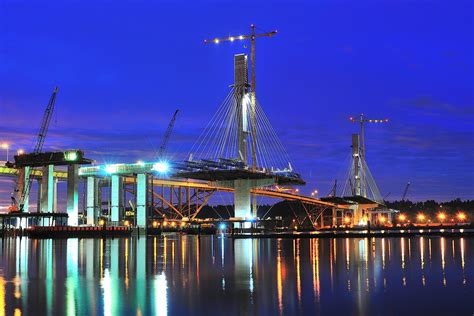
(47, 190)
(92, 200)
(72, 204)
(115, 197)
(141, 200)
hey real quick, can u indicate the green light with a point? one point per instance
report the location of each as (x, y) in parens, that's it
(70, 155)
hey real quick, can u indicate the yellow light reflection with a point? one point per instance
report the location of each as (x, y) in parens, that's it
(279, 279)
(315, 261)
(298, 272)
(422, 252)
(402, 250)
(461, 242)
(348, 259)
(183, 250)
(164, 253)
(101, 257)
(452, 247)
(383, 253)
(2, 296)
(443, 262)
(126, 263)
(198, 270)
(172, 252)
(443, 252)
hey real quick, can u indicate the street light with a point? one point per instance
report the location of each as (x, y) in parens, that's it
(420, 217)
(20, 152)
(441, 216)
(461, 216)
(5, 146)
(402, 217)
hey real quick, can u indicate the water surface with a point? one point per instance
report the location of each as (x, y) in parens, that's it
(184, 275)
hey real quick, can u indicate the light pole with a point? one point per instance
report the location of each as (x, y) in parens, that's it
(5, 146)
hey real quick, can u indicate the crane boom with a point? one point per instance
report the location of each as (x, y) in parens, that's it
(406, 191)
(167, 135)
(48, 113)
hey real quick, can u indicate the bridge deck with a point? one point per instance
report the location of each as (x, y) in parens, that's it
(177, 182)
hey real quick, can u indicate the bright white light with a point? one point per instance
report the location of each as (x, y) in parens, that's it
(161, 167)
(362, 222)
(140, 163)
(222, 226)
(111, 168)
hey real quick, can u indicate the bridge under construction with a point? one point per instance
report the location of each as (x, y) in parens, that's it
(238, 152)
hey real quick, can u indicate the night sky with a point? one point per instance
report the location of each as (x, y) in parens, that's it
(123, 68)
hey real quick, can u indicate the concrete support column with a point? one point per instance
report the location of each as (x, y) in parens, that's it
(38, 196)
(47, 190)
(242, 203)
(23, 178)
(141, 200)
(55, 195)
(92, 200)
(242, 196)
(334, 213)
(72, 204)
(115, 197)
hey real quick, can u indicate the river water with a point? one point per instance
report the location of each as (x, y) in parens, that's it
(214, 275)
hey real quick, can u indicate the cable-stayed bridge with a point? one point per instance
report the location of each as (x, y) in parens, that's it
(237, 152)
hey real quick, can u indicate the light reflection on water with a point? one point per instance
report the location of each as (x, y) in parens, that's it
(175, 274)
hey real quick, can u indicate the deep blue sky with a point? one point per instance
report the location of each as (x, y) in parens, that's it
(123, 67)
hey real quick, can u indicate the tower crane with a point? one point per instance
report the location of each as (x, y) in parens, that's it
(253, 114)
(362, 120)
(405, 192)
(167, 135)
(252, 36)
(48, 113)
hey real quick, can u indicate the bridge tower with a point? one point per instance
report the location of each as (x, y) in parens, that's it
(242, 187)
(241, 95)
(357, 187)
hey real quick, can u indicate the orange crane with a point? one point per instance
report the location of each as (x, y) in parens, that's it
(252, 36)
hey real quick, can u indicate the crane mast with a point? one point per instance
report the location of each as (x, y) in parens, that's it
(48, 113)
(167, 135)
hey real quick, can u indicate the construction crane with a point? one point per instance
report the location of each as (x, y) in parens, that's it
(48, 113)
(167, 135)
(252, 36)
(362, 120)
(405, 192)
